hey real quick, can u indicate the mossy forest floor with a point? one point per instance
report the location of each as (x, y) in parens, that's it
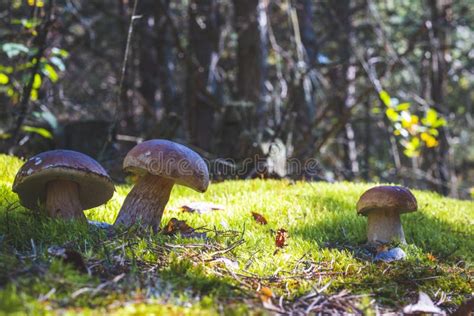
(49, 266)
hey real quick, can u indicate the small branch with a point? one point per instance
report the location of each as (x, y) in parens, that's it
(114, 124)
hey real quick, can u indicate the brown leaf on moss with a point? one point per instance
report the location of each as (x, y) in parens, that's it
(281, 236)
(175, 226)
(259, 218)
(431, 257)
(265, 294)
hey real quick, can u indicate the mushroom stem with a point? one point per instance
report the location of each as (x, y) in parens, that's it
(146, 202)
(384, 227)
(62, 200)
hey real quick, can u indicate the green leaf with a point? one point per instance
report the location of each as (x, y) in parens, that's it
(13, 49)
(58, 62)
(412, 147)
(392, 115)
(6, 69)
(27, 23)
(60, 52)
(430, 118)
(375, 110)
(34, 95)
(403, 106)
(10, 92)
(50, 72)
(440, 122)
(433, 131)
(3, 79)
(385, 97)
(411, 153)
(5, 135)
(47, 116)
(38, 130)
(37, 82)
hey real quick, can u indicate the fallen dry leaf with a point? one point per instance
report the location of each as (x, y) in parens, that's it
(281, 236)
(259, 218)
(266, 294)
(175, 226)
(201, 207)
(431, 257)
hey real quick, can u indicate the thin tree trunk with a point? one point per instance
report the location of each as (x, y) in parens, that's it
(251, 25)
(344, 84)
(367, 141)
(304, 96)
(148, 61)
(166, 60)
(203, 45)
(310, 56)
(438, 38)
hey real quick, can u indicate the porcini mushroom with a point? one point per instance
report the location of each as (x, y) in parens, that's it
(65, 182)
(383, 206)
(159, 164)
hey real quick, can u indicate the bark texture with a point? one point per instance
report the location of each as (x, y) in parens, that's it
(146, 202)
(62, 200)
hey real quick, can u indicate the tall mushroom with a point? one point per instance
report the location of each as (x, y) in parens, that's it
(65, 182)
(383, 206)
(159, 164)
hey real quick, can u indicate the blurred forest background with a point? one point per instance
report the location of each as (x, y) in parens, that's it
(374, 90)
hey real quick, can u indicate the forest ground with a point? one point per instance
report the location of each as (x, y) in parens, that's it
(231, 263)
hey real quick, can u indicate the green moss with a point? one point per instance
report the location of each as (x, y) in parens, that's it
(133, 273)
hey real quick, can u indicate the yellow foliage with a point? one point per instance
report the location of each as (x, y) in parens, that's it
(429, 140)
(36, 3)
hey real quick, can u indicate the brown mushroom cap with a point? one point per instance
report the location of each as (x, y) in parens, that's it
(170, 160)
(95, 186)
(387, 198)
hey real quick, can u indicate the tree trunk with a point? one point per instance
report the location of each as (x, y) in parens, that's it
(148, 62)
(202, 85)
(157, 69)
(344, 83)
(304, 102)
(310, 56)
(251, 26)
(438, 40)
(166, 61)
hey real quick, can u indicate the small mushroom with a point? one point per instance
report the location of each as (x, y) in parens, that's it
(159, 164)
(383, 206)
(66, 182)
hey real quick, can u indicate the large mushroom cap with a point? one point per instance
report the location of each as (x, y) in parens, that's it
(387, 198)
(95, 186)
(169, 160)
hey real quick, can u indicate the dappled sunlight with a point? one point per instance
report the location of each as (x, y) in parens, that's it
(325, 246)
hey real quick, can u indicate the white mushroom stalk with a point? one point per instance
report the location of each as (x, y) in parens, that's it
(146, 202)
(383, 227)
(62, 200)
(159, 164)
